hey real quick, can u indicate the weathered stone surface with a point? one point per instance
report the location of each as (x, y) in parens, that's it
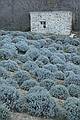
(57, 22)
(14, 15)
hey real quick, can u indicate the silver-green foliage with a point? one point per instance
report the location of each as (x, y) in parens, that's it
(28, 84)
(4, 113)
(74, 90)
(59, 91)
(39, 103)
(9, 65)
(72, 106)
(20, 76)
(47, 83)
(9, 95)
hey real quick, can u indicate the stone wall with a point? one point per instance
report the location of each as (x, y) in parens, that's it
(57, 22)
(68, 5)
(14, 14)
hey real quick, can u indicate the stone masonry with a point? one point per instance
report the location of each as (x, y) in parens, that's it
(56, 22)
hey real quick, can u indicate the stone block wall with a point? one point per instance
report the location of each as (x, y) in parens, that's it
(14, 14)
(57, 22)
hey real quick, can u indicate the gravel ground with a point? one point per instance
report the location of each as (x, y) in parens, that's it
(24, 116)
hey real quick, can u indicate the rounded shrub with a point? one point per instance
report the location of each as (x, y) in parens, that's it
(20, 76)
(18, 62)
(72, 106)
(69, 73)
(61, 113)
(4, 73)
(4, 113)
(46, 52)
(6, 54)
(48, 41)
(74, 90)
(78, 50)
(72, 67)
(5, 40)
(26, 85)
(74, 41)
(19, 38)
(70, 49)
(22, 46)
(47, 84)
(54, 59)
(39, 63)
(76, 59)
(51, 67)
(43, 59)
(41, 74)
(52, 49)
(72, 78)
(59, 75)
(23, 58)
(37, 89)
(59, 42)
(33, 53)
(29, 66)
(9, 95)
(60, 55)
(10, 46)
(15, 33)
(9, 81)
(60, 67)
(39, 103)
(38, 36)
(29, 36)
(21, 105)
(57, 46)
(9, 51)
(9, 65)
(40, 43)
(59, 91)
(67, 56)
